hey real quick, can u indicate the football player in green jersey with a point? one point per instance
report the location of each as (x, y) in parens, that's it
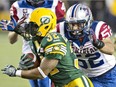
(58, 61)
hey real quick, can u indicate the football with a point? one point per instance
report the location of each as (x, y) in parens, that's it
(34, 59)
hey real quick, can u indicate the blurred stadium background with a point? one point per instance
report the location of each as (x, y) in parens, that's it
(104, 10)
(10, 54)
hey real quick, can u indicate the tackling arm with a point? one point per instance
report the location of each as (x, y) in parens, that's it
(103, 43)
(108, 46)
(105, 34)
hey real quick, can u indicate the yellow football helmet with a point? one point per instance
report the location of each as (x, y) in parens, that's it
(42, 21)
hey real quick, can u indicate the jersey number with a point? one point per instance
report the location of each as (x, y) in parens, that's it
(52, 37)
(92, 61)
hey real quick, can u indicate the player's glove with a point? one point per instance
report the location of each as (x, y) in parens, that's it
(20, 28)
(8, 25)
(25, 62)
(12, 25)
(9, 70)
(96, 42)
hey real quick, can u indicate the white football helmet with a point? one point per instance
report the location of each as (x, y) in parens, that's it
(79, 17)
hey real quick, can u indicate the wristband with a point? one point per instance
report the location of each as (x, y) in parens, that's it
(98, 44)
(18, 73)
(41, 72)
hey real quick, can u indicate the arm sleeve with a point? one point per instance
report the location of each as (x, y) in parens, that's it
(105, 31)
(60, 11)
(55, 48)
(13, 11)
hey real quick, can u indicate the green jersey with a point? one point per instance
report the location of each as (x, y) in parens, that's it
(56, 46)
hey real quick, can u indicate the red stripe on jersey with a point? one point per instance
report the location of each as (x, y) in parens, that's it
(58, 28)
(60, 10)
(13, 11)
(105, 31)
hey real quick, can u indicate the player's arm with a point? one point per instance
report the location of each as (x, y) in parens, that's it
(103, 42)
(105, 34)
(46, 66)
(108, 47)
(40, 72)
(13, 36)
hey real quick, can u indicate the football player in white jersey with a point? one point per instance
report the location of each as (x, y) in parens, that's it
(92, 44)
(20, 11)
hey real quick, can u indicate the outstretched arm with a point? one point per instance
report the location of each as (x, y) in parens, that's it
(46, 66)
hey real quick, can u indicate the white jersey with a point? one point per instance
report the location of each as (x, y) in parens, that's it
(92, 61)
(22, 8)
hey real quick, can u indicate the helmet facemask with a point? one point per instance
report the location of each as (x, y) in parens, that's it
(76, 28)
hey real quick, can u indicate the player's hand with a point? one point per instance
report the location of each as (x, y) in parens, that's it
(22, 29)
(9, 70)
(25, 62)
(20, 25)
(8, 25)
(96, 42)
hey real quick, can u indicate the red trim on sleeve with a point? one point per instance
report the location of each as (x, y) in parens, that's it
(60, 11)
(105, 31)
(13, 11)
(58, 28)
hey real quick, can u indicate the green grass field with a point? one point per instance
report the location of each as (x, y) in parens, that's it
(10, 54)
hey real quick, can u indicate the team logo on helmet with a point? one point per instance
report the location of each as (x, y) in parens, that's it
(45, 20)
(87, 11)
